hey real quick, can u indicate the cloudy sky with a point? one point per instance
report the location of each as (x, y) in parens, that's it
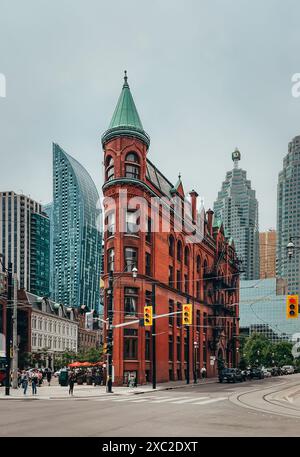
(206, 76)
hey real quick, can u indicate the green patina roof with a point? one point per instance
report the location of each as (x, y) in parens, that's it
(126, 120)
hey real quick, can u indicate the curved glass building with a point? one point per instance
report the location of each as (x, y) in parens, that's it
(77, 237)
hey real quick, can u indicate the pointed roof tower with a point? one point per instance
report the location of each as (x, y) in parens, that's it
(126, 120)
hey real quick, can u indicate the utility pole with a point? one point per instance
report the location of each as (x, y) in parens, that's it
(153, 339)
(15, 336)
(8, 327)
(188, 351)
(109, 339)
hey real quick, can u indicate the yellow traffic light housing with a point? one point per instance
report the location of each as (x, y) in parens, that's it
(187, 314)
(148, 317)
(292, 306)
(105, 348)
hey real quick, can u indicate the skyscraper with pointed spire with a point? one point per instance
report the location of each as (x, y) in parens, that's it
(237, 207)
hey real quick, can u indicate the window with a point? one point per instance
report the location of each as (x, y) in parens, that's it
(110, 169)
(171, 352)
(179, 316)
(171, 310)
(198, 264)
(178, 279)
(197, 320)
(111, 223)
(110, 259)
(171, 276)
(130, 344)
(186, 256)
(171, 246)
(149, 230)
(179, 251)
(130, 300)
(186, 284)
(130, 257)
(132, 222)
(148, 264)
(132, 166)
(198, 290)
(178, 349)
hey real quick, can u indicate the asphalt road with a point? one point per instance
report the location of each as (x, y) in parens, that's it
(269, 407)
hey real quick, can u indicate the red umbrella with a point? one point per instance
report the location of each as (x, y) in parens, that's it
(86, 364)
(75, 365)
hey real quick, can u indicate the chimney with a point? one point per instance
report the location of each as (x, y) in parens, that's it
(209, 215)
(194, 195)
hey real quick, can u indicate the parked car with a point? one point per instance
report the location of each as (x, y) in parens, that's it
(267, 372)
(256, 373)
(2, 377)
(288, 369)
(231, 375)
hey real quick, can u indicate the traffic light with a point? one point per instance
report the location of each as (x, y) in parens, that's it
(148, 318)
(292, 306)
(187, 314)
(105, 348)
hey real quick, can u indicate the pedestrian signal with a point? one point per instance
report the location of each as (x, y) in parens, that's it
(292, 306)
(148, 318)
(187, 316)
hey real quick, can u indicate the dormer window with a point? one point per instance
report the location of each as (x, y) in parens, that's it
(132, 166)
(110, 168)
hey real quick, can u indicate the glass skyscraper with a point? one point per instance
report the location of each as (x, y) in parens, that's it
(237, 207)
(288, 216)
(77, 236)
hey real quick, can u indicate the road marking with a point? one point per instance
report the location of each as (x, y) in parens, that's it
(188, 400)
(165, 399)
(213, 400)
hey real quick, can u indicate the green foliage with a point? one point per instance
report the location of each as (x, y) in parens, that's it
(258, 351)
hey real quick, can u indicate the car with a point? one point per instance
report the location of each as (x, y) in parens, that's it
(256, 373)
(267, 372)
(2, 377)
(231, 375)
(288, 369)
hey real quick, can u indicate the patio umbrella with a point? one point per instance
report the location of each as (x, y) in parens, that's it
(75, 365)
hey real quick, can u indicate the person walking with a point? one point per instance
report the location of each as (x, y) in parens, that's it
(34, 383)
(203, 372)
(49, 376)
(71, 383)
(24, 381)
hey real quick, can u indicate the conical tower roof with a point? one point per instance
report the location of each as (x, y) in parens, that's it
(126, 120)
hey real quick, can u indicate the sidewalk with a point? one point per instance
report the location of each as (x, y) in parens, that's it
(58, 392)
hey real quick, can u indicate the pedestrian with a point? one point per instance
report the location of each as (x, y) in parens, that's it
(40, 377)
(49, 376)
(24, 381)
(203, 372)
(34, 383)
(71, 383)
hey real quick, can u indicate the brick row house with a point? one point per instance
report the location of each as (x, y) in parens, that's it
(152, 226)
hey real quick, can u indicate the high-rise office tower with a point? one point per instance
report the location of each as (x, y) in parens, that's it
(25, 241)
(77, 236)
(288, 216)
(267, 254)
(237, 207)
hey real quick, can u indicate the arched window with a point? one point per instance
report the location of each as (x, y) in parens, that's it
(132, 166)
(205, 266)
(179, 251)
(186, 255)
(198, 263)
(171, 246)
(109, 168)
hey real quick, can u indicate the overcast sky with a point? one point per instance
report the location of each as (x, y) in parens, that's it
(206, 76)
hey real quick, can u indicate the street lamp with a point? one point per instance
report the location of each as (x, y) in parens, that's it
(8, 322)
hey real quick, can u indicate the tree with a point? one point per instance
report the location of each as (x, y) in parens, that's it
(256, 350)
(283, 353)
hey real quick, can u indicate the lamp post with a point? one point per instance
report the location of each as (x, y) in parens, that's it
(196, 346)
(291, 248)
(8, 335)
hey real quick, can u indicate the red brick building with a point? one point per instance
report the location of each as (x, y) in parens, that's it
(151, 225)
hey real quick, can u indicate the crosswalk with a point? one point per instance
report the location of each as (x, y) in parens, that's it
(157, 400)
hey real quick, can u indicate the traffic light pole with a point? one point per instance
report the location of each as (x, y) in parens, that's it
(153, 340)
(8, 327)
(188, 354)
(110, 332)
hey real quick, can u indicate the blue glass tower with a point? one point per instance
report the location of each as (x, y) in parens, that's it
(77, 236)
